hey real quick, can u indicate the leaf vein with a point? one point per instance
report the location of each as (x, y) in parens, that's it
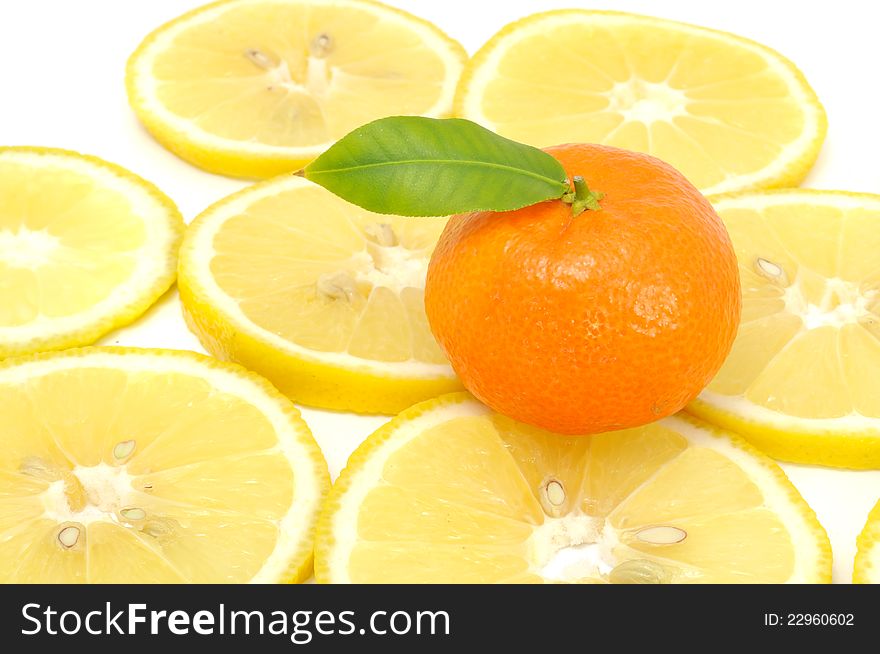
(450, 162)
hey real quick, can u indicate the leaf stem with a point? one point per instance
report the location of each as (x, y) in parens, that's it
(582, 198)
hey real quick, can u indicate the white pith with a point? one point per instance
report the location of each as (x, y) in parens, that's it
(647, 102)
(197, 256)
(152, 259)
(27, 248)
(842, 303)
(573, 546)
(317, 80)
(393, 267)
(657, 101)
(757, 416)
(109, 487)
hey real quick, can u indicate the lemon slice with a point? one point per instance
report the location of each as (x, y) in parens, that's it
(450, 492)
(85, 247)
(727, 112)
(801, 380)
(320, 296)
(866, 568)
(254, 88)
(143, 466)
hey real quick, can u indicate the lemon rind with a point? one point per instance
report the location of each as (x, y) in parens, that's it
(866, 566)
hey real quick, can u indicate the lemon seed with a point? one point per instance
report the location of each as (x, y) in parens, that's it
(638, 571)
(321, 46)
(338, 286)
(770, 270)
(662, 535)
(258, 58)
(555, 493)
(133, 513)
(123, 449)
(69, 536)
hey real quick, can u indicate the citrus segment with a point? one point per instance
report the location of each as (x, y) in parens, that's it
(620, 465)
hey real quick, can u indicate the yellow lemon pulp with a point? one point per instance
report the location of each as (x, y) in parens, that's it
(801, 379)
(450, 492)
(727, 112)
(142, 466)
(85, 246)
(322, 297)
(866, 567)
(256, 88)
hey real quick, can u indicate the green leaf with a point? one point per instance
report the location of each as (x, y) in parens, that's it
(413, 166)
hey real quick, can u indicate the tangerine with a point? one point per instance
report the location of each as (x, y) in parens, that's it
(587, 323)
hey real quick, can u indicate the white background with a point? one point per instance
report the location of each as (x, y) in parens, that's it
(61, 84)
